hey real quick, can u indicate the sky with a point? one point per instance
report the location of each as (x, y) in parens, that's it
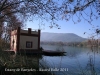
(66, 26)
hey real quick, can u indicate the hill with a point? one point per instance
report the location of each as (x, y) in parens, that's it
(61, 37)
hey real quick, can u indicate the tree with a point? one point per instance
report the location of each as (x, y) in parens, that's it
(8, 19)
(28, 8)
(51, 9)
(9, 23)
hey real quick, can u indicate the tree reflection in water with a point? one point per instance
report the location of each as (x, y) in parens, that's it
(91, 67)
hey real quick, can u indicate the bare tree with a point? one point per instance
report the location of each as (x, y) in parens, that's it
(51, 10)
(86, 9)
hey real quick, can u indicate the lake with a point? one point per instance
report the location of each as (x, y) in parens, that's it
(77, 61)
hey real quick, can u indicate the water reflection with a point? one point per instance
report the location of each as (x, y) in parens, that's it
(92, 67)
(79, 61)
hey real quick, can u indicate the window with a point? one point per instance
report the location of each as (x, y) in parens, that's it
(28, 44)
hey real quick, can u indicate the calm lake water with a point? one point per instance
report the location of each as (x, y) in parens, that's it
(77, 61)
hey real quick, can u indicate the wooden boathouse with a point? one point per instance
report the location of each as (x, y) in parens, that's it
(25, 41)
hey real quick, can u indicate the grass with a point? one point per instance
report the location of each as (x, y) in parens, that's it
(20, 64)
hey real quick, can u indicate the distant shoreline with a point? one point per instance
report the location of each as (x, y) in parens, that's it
(72, 44)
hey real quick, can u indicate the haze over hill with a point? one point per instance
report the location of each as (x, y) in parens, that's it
(61, 37)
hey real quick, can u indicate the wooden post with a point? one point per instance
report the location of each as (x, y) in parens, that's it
(10, 40)
(38, 39)
(18, 39)
(29, 30)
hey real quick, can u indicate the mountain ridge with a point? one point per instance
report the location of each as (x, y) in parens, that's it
(60, 37)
